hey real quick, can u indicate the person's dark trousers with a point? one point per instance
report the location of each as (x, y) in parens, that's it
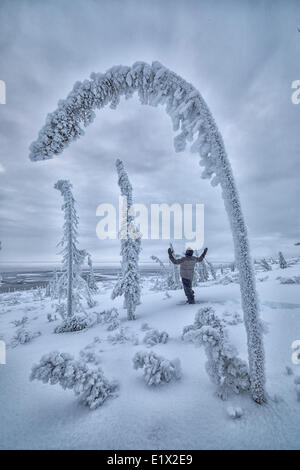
(187, 285)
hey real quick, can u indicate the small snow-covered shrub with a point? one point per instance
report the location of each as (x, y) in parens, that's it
(110, 317)
(234, 412)
(289, 280)
(88, 354)
(263, 278)
(153, 337)
(228, 278)
(265, 265)
(121, 336)
(145, 327)
(235, 319)
(91, 385)
(156, 368)
(205, 315)
(13, 299)
(38, 294)
(21, 322)
(51, 317)
(225, 369)
(74, 323)
(23, 336)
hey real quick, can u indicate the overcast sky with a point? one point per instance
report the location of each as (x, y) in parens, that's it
(242, 56)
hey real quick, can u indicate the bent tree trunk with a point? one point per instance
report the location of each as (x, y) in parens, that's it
(249, 298)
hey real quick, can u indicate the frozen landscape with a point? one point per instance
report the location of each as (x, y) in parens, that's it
(182, 414)
(140, 306)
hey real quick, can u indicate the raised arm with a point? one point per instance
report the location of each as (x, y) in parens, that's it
(201, 258)
(174, 260)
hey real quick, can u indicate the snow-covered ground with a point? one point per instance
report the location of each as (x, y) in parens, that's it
(184, 414)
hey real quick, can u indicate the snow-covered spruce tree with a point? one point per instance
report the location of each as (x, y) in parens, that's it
(201, 273)
(211, 268)
(53, 284)
(282, 261)
(129, 282)
(71, 286)
(156, 85)
(91, 276)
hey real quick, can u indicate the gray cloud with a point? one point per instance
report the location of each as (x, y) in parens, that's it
(242, 56)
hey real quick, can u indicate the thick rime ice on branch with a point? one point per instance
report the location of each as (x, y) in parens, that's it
(91, 385)
(129, 282)
(156, 85)
(71, 284)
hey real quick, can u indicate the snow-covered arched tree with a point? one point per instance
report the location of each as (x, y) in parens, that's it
(155, 85)
(129, 282)
(71, 284)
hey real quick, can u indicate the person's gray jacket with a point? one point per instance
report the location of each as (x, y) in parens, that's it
(187, 264)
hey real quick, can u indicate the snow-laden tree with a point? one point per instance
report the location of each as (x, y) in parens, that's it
(174, 280)
(53, 285)
(265, 265)
(91, 276)
(161, 281)
(71, 285)
(201, 272)
(156, 369)
(170, 276)
(211, 268)
(224, 367)
(282, 261)
(156, 85)
(129, 283)
(90, 384)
